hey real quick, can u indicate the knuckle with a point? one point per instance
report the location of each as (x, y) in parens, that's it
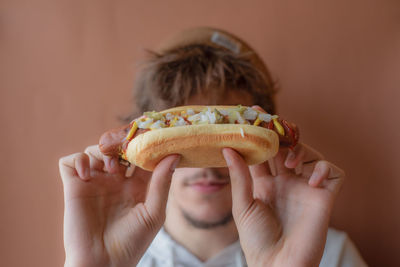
(61, 161)
(299, 147)
(91, 148)
(82, 156)
(301, 154)
(61, 165)
(340, 171)
(323, 167)
(324, 164)
(67, 160)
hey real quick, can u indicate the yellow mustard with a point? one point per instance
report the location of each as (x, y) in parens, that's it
(279, 127)
(132, 131)
(257, 122)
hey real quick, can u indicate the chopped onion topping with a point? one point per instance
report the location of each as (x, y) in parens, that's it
(250, 114)
(265, 117)
(240, 118)
(180, 122)
(240, 115)
(224, 112)
(204, 118)
(211, 117)
(145, 124)
(195, 117)
(157, 125)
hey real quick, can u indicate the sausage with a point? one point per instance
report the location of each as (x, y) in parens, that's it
(113, 142)
(291, 137)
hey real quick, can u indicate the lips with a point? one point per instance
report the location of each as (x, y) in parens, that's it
(205, 186)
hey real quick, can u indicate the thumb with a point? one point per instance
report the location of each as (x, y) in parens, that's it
(242, 192)
(160, 183)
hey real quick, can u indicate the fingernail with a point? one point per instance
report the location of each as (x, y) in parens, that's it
(175, 163)
(227, 157)
(291, 156)
(86, 173)
(314, 177)
(107, 163)
(114, 165)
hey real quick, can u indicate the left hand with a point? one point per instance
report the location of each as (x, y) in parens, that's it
(110, 219)
(282, 219)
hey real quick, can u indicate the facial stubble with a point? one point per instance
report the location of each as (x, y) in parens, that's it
(202, 224)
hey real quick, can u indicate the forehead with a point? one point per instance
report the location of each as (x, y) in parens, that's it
(232, 97)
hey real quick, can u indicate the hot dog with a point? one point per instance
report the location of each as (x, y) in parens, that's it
(199, 133)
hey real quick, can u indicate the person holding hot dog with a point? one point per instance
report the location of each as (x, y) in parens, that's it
(275, 213)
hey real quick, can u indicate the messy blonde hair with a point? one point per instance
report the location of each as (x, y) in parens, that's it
(170, 78)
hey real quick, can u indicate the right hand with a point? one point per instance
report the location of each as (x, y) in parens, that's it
(282, 217)
(111, 219)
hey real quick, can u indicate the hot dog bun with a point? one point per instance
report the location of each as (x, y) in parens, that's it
(201, 145)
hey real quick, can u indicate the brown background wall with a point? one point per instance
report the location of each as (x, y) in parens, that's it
(66, 69)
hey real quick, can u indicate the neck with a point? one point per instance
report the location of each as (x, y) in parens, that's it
(203, 243)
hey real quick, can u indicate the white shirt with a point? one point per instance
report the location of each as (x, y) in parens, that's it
(164, 251)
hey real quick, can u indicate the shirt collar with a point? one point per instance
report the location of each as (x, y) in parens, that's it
(163, 246)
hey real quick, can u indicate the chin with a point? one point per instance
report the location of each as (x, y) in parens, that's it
(207, 219)
(207, 211)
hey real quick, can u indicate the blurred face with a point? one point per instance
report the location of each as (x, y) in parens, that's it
(203, 195)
